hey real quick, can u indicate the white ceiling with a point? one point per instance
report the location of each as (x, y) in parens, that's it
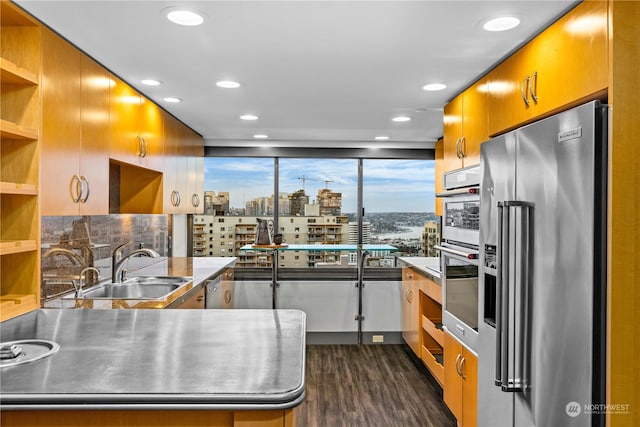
(317, 73)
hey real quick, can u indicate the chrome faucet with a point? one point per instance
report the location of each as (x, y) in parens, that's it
(69, 254)
(117, 261)
(79, 292)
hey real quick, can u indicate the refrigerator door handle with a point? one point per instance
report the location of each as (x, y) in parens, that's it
(505, 313)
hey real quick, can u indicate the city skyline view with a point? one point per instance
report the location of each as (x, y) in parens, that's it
(389, 185)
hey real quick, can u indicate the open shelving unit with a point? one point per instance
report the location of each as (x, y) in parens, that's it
(432, 352)
(19, 162)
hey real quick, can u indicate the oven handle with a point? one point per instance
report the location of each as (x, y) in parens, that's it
(467, 256)
(458, 192)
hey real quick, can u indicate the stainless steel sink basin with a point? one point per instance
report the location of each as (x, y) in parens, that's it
(142, 287)
(135, 291)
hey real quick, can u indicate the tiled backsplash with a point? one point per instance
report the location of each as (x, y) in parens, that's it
(72, 243)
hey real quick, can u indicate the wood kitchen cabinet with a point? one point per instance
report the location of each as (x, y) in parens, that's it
(194, 299)
(528, 85)
(460, 381)
(75, 131)
(183, 181)
(20, 123)
(422, 319)
(136, 128)
(432, 337)
(410, 309)
(465, 127)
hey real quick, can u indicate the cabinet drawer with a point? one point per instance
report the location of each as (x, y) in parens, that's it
(431, 289)
(433, 359)
(431, 328)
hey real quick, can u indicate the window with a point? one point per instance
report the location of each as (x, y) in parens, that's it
(316, 202)
(399, 205)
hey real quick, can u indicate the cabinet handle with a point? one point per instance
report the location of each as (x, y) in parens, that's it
(88, 187)
(533, 86)
(75, 188)
(458, 148)
(523, 90)
(200, 298)
(178, 198)
(142, 147)
(458, 364)
(409, 295)
(462, 360)
(463, 145)
(195, 200)
(227, 296)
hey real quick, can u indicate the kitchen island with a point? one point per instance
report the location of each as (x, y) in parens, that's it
(157, 367)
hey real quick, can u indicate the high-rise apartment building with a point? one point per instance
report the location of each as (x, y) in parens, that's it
(353, 233)
(216, 203)
(330, 202)
(225, 235)
(430, 238)
(297, 202)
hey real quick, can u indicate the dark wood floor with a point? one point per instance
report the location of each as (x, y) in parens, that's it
(369, 386)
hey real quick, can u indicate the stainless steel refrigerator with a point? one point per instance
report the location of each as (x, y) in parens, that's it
(542, 286)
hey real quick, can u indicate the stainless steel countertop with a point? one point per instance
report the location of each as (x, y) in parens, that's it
(427, 265)
(158, 359)
(201, 268)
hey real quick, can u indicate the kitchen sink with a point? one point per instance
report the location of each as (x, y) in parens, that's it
(141, 287)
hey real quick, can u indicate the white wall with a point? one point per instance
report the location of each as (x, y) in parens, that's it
(330, 306)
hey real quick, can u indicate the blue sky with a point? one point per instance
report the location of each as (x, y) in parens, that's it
(389, 185)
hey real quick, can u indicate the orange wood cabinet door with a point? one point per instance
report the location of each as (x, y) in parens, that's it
(508, 85)
(474, 122)
(452, 134)
(452, 389)
(124, 119)
(578, 45)
(410, 310)
(460, 381)
(94, 136)
(151, 132)
(175, 168)
(469, 369)
(75, 149)
(528, 85)
(61, 104)
(195, 171)
(465, 128)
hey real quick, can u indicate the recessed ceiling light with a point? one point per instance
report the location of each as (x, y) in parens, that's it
(228, 84)
(151, 82)
(249, 117)
(260, 136)
(401, 119)
(381, 138)
(172, 99)
(434, 86)
(502, 23)
(185, 17)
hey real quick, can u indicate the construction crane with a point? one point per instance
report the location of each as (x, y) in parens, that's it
(326, 183)
(304, 180)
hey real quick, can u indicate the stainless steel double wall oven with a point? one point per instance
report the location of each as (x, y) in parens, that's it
(459, 253)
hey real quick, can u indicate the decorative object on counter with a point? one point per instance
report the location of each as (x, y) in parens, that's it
(277, 239)
(264, 231)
